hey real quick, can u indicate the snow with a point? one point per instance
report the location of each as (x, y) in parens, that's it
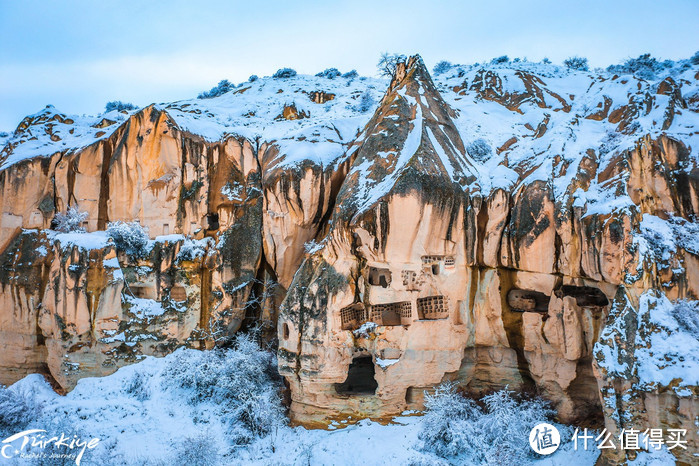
(369, 189)
(250, 110)
(141, 417)
(173, 238)
(569, 135)
(253, 110)
(659, 240)
(665, 349)
(385, 363)
(83, 241)
(365, 330)
(193, 249)
(667, 354)
(143, 307)
(49, 131)
(311, 247)
(562, 97)
(601, 199)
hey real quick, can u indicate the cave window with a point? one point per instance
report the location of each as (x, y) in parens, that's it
(379, 277)
(433, 307)
(285, 331)
(178, 293)
(412, 281)
(392, 314)
(85, 225)
(585, 296)
(528, 301)
(143, 291)
(352, 316)
(435, 263)
(360, 378)
(449, 262)
(212, 221)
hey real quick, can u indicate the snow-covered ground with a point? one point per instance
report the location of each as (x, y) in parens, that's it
(223, 407)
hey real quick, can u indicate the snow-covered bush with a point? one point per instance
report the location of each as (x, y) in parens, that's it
(4, 134)
(445, 429)
(54, 455)
(137, 386)
(196, 451)
(686, 313)
(645, 66)
(442, 67)
(695, 59)
(350, 74)
(496, 434)
(253, 78)
(479, 150)
(240, 383)
(193, 249)
(546, 61)
(129, 237)
(18, 407)
(119, 106)
(388, 62)
(576, 63)
(366, 102)
(329, 73)
(221, 88)
(500, 60)
(71, 221)
(284, 73)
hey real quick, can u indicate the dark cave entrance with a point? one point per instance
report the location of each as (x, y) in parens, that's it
(585, 296)
(360, 378)
(212, 222)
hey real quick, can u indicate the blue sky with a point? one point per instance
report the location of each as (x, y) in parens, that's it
(77, 55)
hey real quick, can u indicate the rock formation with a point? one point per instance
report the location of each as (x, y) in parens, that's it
(510, 225)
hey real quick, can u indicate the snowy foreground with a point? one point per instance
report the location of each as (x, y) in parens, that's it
(223, 407)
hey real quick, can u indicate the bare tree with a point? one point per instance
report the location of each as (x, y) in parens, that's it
(388, 62)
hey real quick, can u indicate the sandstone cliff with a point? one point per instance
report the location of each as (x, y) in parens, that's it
(516, 225)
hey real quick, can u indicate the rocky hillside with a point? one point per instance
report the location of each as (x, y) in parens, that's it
(516, 224)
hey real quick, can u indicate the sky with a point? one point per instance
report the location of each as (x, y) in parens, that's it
(77, 55)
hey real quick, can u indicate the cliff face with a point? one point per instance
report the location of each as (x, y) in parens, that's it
(529, 227)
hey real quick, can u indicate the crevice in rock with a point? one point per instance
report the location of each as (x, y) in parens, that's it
(102, 208)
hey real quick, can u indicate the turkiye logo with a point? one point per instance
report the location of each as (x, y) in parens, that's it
(544, 438)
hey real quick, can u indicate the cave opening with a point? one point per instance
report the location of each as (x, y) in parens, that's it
(212, 222)
(360, 378)
(379, 277)
(528, 301)
(391, 314)
(585, 296)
